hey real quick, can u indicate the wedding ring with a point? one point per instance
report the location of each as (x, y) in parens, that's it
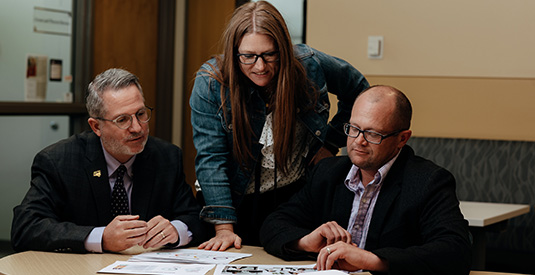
(329, 250)
(163, 235)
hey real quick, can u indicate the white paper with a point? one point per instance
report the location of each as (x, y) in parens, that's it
(196, 256)
(122, 267)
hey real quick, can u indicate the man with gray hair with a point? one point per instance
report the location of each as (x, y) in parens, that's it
(111, 189)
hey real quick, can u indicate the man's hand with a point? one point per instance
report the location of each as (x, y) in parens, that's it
(328, 233)
(160, 232)
(349, 257)
(123, 232)
(224, 238)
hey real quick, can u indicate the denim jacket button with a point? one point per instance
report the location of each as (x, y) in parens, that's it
(318, 133)
(230, 126)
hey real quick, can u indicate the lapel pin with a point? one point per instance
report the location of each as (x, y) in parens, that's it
(96, 173)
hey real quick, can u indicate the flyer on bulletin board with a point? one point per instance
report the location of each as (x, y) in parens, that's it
(36, 77)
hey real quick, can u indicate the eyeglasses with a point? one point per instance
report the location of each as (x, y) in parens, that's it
(125, 121)
(370, 136)
(251, 58)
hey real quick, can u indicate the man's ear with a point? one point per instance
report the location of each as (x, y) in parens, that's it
(95, 125)
(404, 137)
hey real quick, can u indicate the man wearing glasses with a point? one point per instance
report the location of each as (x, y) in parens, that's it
(111, 189)
(381, 208)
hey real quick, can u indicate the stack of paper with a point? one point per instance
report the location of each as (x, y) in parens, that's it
(191, 256)
(178, 261)
(121, 267)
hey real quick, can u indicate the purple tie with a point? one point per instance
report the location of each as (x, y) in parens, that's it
(119, 199)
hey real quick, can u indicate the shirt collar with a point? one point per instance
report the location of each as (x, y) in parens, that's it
(113, 164)
(353, 180)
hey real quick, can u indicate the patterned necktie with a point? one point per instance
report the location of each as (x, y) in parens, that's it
(364, 206)
(119, 199)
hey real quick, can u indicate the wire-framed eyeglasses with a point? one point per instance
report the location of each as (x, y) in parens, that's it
(251, 58)
(370, 136)
(125, 121)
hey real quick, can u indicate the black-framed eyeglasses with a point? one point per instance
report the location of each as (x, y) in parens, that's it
(370, 136)
(125, 121)
(251, 58)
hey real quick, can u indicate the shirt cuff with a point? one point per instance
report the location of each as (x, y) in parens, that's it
(184, 235)
(93, 242)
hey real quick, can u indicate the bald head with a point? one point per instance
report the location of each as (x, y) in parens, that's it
(379, 122)
(389, 100)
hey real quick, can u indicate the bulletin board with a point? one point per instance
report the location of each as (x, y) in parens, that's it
(36, 50)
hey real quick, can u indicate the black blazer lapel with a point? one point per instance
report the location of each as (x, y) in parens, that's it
(387, 196)
(97, 173)
(342, 207)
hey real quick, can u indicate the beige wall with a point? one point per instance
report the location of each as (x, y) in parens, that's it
(467, 66)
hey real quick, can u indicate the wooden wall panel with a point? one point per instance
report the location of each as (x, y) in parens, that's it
(126, 36)
(206, 20)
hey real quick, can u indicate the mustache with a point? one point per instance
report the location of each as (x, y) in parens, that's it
(135, 135)
(359, 148)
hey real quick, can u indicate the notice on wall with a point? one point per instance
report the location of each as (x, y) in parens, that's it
(52, 21)
(36, 80)
(55, 69)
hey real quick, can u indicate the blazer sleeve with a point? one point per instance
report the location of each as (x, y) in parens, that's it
(36, 222)
(445, 245)
(324, 198)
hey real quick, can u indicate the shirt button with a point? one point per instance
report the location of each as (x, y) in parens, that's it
(318, 133)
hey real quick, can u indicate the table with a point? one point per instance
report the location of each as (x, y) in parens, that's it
(44, 263)
(487, 216)
(481, 214)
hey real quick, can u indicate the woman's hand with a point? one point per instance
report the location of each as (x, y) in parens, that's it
(224, 238)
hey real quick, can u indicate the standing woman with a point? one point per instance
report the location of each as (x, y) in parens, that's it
(259, 113)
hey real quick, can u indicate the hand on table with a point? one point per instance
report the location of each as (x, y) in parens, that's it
(224, 238)
(326, 234)
(160, 232)
(344, 256)
(123, 232)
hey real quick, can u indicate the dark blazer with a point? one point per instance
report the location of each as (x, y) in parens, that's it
(70, 194)
(416, 225)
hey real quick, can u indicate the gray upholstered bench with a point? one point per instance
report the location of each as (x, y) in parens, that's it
(493, 171)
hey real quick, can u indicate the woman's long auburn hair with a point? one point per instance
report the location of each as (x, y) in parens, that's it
(290, 90)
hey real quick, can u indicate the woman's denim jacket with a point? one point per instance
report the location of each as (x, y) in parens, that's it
(222, 181)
